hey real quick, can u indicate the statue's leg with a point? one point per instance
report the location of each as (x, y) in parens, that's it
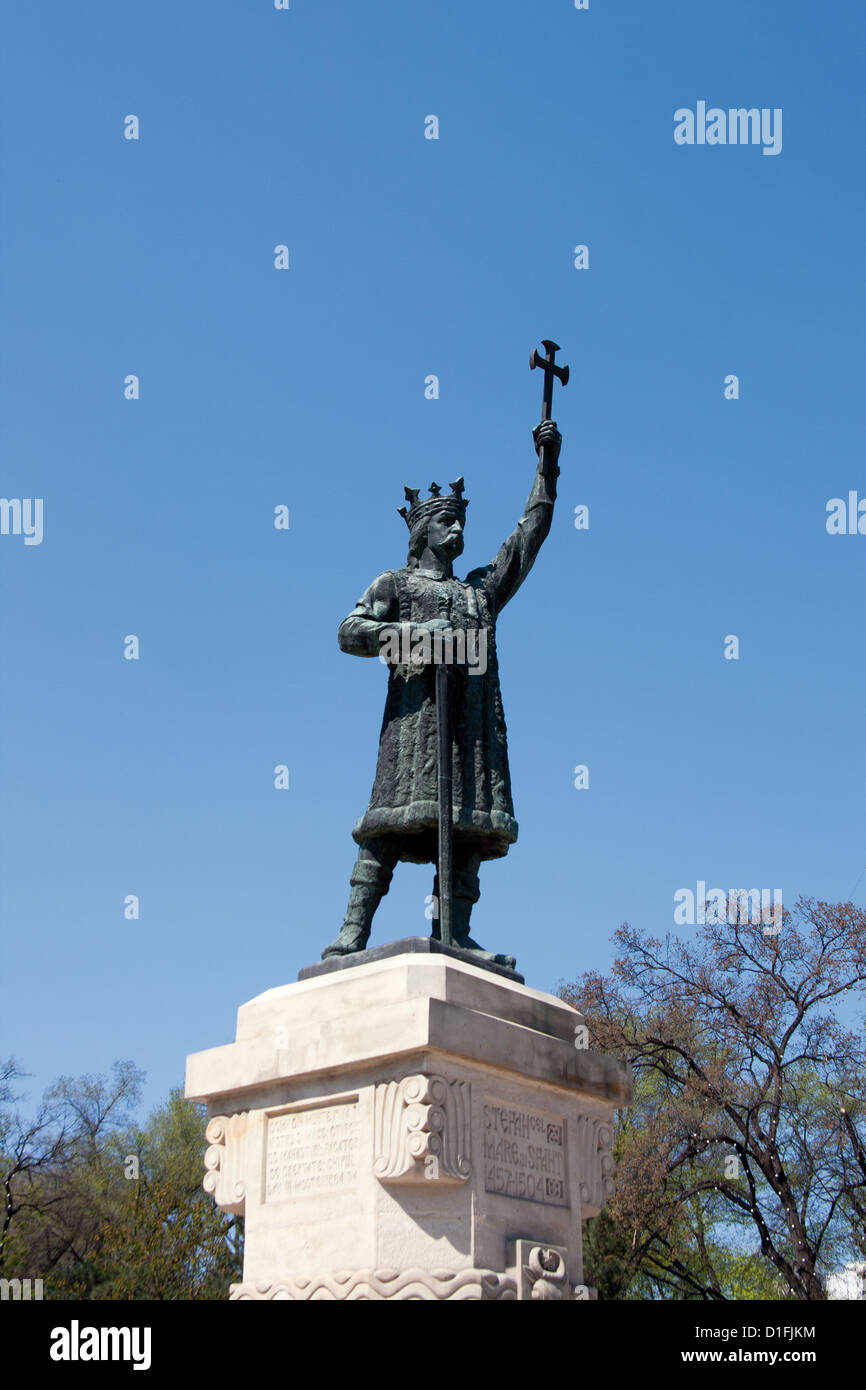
(370, 881)
(465, 892)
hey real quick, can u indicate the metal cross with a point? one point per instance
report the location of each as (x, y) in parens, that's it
(550, 371)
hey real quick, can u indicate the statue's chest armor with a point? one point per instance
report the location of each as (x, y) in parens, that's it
(428, 598)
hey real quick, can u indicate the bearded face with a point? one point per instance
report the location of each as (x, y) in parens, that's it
(445, 534)
(441, 531)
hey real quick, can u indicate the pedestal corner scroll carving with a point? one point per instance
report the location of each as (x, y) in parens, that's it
(422, 1130)
(223, 1161)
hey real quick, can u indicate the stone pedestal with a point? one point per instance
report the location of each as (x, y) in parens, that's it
(409, 1125)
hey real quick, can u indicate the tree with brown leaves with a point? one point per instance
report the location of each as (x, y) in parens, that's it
(741, 1164)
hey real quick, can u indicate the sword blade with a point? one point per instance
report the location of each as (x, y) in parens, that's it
(445, 792)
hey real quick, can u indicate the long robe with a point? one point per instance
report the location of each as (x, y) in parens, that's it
(404, 797)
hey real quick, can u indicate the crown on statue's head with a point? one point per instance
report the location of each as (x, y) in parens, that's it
(419, 510)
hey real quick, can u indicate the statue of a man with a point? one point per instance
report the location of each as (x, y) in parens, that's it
(400, 614)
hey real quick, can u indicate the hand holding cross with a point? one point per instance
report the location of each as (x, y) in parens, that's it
(546, 436)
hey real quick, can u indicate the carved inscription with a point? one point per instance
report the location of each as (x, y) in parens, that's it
(311, 1151)
(524, 1155)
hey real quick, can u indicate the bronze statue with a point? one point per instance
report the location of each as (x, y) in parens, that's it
(418, 620)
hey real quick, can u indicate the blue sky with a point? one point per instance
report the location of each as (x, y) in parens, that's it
(305, 387)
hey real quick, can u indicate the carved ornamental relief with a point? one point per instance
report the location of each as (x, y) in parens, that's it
(422, 1130)
(224, 1161)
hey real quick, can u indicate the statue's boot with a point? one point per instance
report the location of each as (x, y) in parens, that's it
(370, 881)
(461, 910)
(355, 931)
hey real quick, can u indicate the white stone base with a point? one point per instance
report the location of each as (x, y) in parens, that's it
(412, 1128)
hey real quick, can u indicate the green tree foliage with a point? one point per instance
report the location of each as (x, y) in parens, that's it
(607, 1266)
(60, 1173)
(99, 1208)
(168, 1240)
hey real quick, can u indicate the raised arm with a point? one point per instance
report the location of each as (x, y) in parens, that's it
(504, 576)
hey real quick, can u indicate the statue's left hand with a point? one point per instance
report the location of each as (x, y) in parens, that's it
(547, 436)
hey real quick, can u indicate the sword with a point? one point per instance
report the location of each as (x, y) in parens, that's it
(445, 792)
